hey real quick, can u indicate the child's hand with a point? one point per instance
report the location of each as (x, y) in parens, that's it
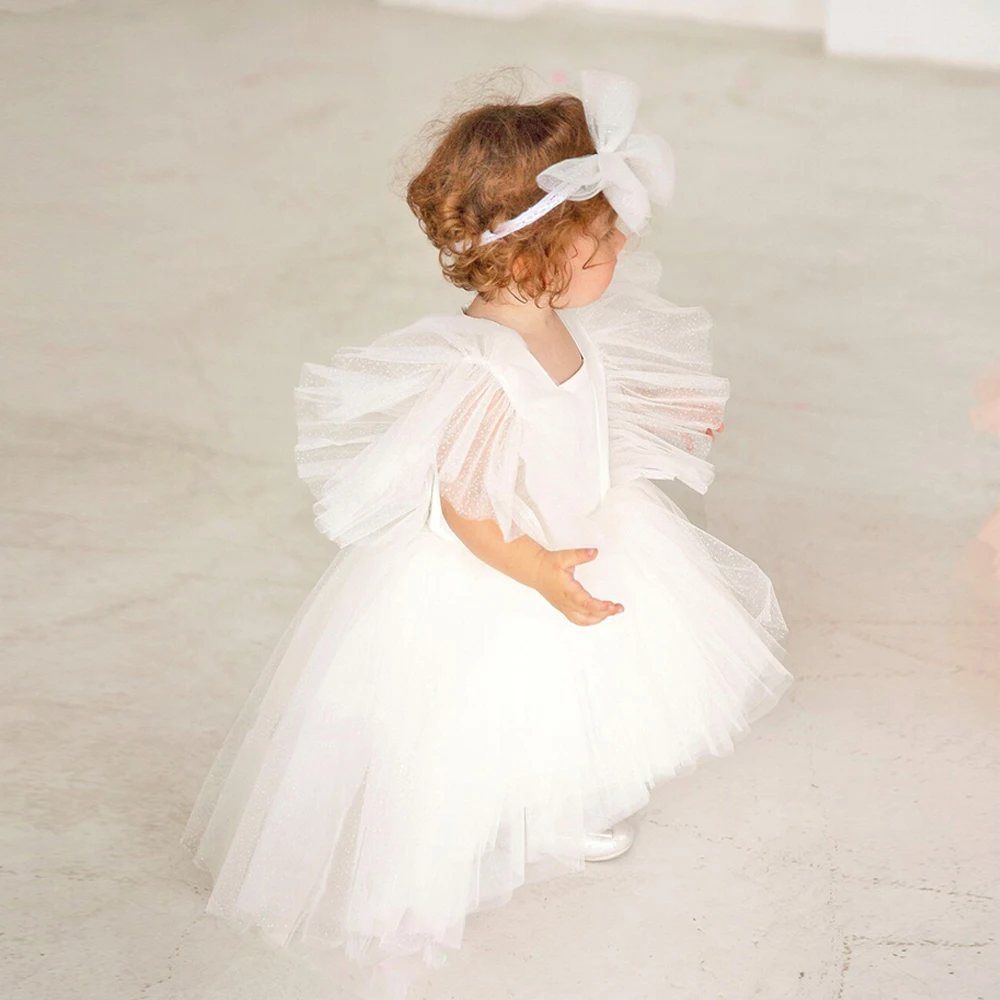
(554, 580)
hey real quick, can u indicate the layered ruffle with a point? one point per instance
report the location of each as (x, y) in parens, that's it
(376, 421)
(663, 399)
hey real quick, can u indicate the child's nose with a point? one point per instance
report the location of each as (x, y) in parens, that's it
(620, 241)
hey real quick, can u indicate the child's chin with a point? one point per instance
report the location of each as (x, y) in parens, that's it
(595, 294)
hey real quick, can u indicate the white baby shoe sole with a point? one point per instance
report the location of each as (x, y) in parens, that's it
(609, 844)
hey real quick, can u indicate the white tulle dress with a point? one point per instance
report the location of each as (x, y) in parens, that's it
(430, 734)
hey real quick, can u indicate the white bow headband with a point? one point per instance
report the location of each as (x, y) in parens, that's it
(631, 168)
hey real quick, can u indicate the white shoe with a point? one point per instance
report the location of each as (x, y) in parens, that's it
(611, 843)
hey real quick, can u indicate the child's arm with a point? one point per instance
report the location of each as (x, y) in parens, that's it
(524, 560)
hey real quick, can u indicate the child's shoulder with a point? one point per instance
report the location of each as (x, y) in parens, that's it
(440, 347)
(438, 351)
(443, 338)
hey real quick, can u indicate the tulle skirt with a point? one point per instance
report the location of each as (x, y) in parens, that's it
(430, 734)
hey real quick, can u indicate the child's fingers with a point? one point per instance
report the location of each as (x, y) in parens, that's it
(584, 609)
(589, 617)
(588, 604)
(592, 604)
(576, 592)
(583, 619)
(573, 557)
(603, 608)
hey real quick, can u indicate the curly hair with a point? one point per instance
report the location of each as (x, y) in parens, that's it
(482, 172)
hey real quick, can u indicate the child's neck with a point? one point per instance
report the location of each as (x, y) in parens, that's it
(528, 318)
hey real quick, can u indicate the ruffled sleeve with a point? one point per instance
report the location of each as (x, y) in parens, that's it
(662, 396)
(379, 424)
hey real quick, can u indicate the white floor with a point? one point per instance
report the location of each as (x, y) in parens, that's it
(197, 197)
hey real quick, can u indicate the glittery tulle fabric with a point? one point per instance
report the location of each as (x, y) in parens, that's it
(662, 396)
(378, 424)
(429, 735)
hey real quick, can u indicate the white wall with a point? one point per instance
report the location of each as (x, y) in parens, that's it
(798, 15)
(965, 32)
(953, 31)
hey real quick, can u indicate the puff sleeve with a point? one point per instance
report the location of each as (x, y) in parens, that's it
(378, 424)
(662, 396)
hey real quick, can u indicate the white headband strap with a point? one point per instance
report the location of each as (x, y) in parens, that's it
(632, 168)
(528, 216)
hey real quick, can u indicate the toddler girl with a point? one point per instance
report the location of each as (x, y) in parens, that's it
(520, 635)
